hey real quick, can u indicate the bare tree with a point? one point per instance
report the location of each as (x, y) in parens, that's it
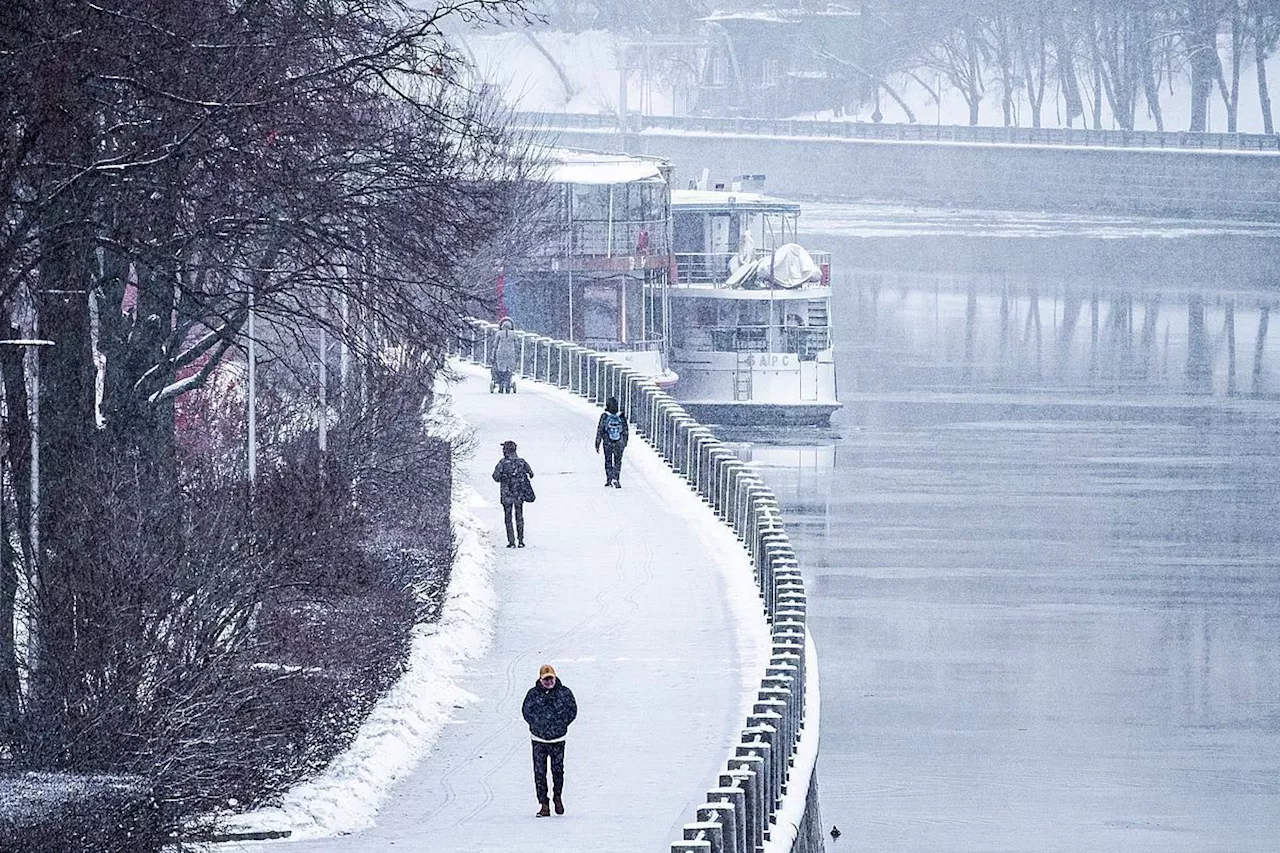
(175, 168)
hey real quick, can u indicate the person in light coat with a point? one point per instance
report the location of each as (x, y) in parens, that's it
(505, 355)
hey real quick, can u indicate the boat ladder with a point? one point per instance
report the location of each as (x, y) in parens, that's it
(742, 377)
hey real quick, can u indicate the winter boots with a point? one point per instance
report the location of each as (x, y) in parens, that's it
(545, 811)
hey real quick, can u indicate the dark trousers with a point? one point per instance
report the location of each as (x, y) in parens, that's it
(508, 510)
(542, 753)
(612, 458)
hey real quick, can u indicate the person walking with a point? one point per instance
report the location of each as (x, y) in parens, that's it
(513, 475)
(549, 708)
(612, 433)
(504, 356)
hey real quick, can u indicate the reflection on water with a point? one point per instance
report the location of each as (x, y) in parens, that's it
(916, 331)
(1041, 550)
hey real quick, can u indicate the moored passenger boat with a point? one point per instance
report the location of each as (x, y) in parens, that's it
(750, 312)
(601, 277)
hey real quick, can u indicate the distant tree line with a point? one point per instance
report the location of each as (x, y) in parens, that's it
(171, 170)
(1120, 53)
(1091, 53)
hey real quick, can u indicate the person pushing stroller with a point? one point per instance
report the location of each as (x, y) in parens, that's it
(504, 357)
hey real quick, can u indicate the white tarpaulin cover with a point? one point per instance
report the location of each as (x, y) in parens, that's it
(789, 266)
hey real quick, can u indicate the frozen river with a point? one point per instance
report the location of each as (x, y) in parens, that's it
(1041, 539)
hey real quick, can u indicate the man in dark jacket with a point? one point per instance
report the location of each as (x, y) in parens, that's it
(612, 434)
(549, 708)
(513, 475)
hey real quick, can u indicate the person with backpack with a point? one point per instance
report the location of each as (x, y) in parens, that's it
(612, 433)
(549, 708)
(513, 475)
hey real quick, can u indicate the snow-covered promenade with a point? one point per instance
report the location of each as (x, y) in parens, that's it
(645, 604)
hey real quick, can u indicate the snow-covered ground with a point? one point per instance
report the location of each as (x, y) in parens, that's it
(645, 604)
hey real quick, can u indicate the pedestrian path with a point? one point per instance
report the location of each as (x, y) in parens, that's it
(645, 605)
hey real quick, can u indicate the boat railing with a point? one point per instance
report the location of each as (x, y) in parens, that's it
(712, 269)
(605, 345)
(598, 238)
(803, 341)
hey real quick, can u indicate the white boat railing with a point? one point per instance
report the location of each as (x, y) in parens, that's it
(804, 341)
(711, 269)
(603, 345)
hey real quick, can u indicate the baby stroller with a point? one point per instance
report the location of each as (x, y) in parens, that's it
(501, 381)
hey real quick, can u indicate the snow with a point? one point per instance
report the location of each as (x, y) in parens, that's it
(806, 759)
(717, 198)
(569, 166)
(645, 603)
(405, 722)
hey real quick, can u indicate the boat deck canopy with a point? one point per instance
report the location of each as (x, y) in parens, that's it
(720, 200)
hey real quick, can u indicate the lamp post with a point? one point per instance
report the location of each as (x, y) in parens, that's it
(35, 344)
(8, 655)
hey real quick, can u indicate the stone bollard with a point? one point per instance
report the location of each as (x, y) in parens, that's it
(711, 832)
(778, 712)
(790, 711)
(762, 729)
(727, 487)
(717, 459)
(722, 813)
(777, 678)
(701, 846)
(755, 749)
(754, 496)
(732, 797)
(748, 765)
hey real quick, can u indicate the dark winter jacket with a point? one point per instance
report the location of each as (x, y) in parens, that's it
(602, 434)
(510, 473)
(549, 712)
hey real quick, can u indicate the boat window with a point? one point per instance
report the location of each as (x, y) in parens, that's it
(590, 202)
(688, 228)
(753, 312)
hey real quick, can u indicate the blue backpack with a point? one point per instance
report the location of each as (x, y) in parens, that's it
(613, 426)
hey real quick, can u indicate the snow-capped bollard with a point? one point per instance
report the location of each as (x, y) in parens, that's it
(789, 644)
(774, 713)
(779, 700)
(748, 766)
(732, 796)
(752, 488)
(764, 736)
(757, 750)
(729, 472)
(787, 683)
(724, 812)
(708, 830)
(701, 846)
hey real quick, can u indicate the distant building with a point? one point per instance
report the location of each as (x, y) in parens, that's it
(770, 62)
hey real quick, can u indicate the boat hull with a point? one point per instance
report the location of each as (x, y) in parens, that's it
(753, 413)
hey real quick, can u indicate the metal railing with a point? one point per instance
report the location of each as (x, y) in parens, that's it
(1055, 136)
(710, 269)
(803, 341)
(742, 804)
(650, 345)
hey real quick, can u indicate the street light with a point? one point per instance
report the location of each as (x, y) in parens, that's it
(36, 344)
